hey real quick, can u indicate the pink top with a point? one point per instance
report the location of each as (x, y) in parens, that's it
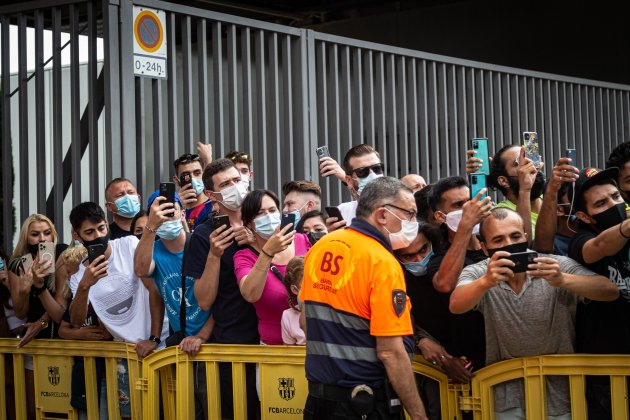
(274, 298)
(292, 334)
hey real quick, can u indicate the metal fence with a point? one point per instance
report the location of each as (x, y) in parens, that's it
(273, 91)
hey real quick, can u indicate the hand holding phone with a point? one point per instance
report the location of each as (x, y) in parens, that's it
(184, 179)
(47, 254)
(478, 183)
(221, 220)
(532, 148)
(167, 190)
(322, 152)
(521, 260)
(95, 251)
(480, 147)
(334, 212)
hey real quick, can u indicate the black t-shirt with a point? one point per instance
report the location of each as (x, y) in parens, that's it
(465, 332)
(235, 318)
(115, 231)
(603, 327)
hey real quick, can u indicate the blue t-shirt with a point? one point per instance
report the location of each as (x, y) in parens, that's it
(167, 276)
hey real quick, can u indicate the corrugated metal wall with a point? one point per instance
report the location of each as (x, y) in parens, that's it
(275, 92)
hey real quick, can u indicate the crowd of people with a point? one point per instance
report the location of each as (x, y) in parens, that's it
(403, 267)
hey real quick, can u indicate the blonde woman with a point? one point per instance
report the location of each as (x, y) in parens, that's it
(39, 298)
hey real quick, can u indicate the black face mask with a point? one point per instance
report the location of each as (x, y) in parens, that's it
(537, 188)
(512, 248)
(313, 237)
(104, 240)
(33, 248)
(611, 217)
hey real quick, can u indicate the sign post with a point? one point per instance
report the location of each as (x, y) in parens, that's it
(149, 43)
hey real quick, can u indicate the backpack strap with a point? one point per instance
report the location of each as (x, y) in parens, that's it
(182, 305)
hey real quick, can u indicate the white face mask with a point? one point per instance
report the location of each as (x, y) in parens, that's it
(405, 236)
(233, 196)
(364, 181)
(245, 179)
(454, 218)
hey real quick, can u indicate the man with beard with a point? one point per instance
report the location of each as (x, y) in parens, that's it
(525, 313)
(620, 158)
(601, 244)
(520, 182)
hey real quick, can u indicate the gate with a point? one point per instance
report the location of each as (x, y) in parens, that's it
(273, 91)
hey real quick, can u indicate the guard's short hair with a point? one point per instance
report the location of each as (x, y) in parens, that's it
(357, 151)
(439, 188)
(498, 213)
(214, 168)
(378, 192)
(302, 186)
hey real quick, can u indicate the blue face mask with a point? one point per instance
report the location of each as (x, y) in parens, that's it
(127, 206)
(170, 230)
(267, 224)
(197, 185)
(298, 216)
(364, 181)
(419, 268)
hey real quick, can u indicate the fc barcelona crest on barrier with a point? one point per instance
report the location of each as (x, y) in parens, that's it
(53, 375)
(286, 388)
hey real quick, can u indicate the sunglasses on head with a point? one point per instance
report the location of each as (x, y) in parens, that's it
(184, 159)
(365, 171)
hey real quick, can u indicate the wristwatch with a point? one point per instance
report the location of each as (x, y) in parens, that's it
(155, 339)
(44, 323)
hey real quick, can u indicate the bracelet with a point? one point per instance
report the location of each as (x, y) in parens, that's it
(150, 230)
(264, 252)
(621, 231)
(155, 339)
(36, 291)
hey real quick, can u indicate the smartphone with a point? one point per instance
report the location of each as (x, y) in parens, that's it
(287, 219)
(532, 148)
(522, 260)
(167, 190)
(185, 179)
(480, 146)
(334, 212)
(572, 153)
(24, 264)
(47, 253)
(322, 152)
(1, 264)
(95, 251)
(477, 183)
(219, 221)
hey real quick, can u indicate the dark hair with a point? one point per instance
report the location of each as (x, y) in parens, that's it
(357, 151)
(302, 186)
(579, 201)
(422, 202)
(141, 213)
(5, 293)
(442, 186)
(309, 215)
(498, 213)
(432, 233)
(619, 156)
(497, 169)
(378, 192)
(253, 201)
(86, 211)
(292, 276)
(214, 168)
(185, 159)
(239, 157)
(114, 182)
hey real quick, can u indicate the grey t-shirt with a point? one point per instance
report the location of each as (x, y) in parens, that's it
(539, 320)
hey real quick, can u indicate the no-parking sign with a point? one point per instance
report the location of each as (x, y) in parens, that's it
(149, 42)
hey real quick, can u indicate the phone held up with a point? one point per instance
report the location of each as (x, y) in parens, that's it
(477, 183)
(480, 146)
(334, 212)
(287, 219)
(221, 220)
(95, 251)
(322, 152)
(47, 253)
(532, 148)
(167, 190)
(521, 260)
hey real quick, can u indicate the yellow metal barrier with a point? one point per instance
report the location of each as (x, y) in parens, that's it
(53, 360)
(283, 388)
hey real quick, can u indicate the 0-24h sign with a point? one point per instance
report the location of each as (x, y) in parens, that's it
(149, 43)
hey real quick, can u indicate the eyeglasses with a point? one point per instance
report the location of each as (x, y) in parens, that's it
(186, 158)
(412, 214)
(378, 169)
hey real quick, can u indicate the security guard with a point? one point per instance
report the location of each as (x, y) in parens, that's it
(357, 312)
